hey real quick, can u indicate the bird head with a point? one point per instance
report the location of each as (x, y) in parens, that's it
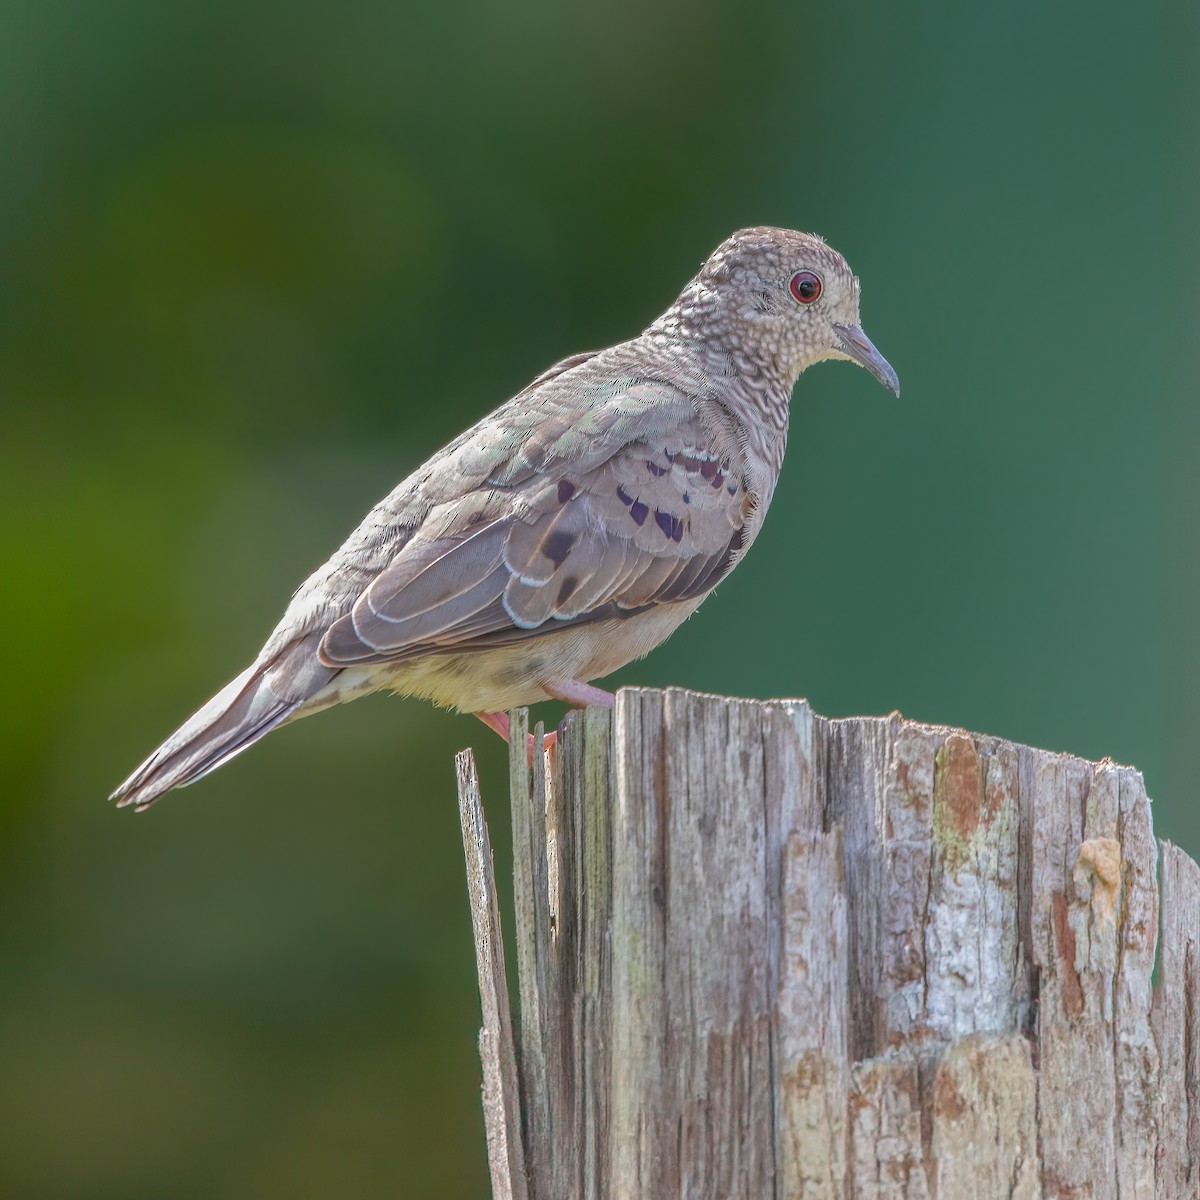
(784, 298)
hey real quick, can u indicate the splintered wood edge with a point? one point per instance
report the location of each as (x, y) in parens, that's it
(501, 1097)
(1083, 842)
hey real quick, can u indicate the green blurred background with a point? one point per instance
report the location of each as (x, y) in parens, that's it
(258, 261)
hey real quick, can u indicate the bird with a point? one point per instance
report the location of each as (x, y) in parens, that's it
(567, 533)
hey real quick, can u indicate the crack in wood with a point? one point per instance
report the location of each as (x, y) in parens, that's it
(765, 954)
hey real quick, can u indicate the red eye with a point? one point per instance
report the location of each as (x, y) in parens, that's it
(806, 287)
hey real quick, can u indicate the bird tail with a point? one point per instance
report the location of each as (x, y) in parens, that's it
(260, 699)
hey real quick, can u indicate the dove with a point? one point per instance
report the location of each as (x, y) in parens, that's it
(567, 533)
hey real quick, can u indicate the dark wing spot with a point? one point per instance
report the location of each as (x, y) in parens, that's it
(556, 545)
(655, 469)
(686, 498)
(676, 529)
(718, 479)
(663, 520)
(567, 589)
(624, 497)
(732, 488)
(566, 489)
(639, 512)
(708, 468)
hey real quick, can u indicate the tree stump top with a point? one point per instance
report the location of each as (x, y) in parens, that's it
(765, 954)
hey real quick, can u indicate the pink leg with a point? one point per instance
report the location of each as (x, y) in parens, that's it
(578, 693)
(499, 722)
(495, 721)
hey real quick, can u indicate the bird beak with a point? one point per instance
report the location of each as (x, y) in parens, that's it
(856, 345)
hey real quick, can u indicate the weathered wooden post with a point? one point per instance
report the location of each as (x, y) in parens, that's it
(765, 954)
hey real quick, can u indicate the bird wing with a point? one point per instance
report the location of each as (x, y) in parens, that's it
(634, 498)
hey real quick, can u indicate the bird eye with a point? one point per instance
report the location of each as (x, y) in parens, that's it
(806, 287)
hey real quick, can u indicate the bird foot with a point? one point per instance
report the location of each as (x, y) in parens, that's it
(499, 722)
(571, 691)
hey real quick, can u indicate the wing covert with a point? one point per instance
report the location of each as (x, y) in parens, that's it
(620, 512)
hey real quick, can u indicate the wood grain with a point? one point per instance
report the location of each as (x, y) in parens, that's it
(765, 954)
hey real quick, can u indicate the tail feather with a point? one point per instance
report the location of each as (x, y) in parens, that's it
(241, 713)
(220, 757)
